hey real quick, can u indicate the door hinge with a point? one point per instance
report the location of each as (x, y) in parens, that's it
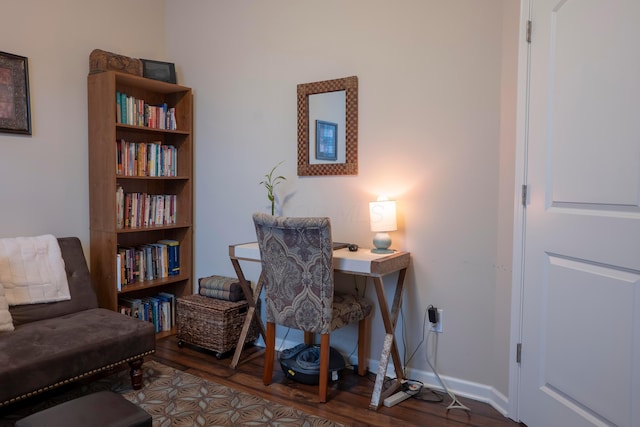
(525, 194)
(529, 32)
(519, 352)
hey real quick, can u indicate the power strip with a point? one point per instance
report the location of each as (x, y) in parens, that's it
(394, 399)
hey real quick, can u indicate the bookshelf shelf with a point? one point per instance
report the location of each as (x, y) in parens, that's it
(160, 178)
(163, 334)
(106, 237)
(149, 229)
(149, 284)
(135, 128)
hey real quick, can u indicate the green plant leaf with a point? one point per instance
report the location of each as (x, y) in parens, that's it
(270, 184)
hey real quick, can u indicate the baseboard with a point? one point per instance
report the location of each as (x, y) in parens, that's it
(476, 391)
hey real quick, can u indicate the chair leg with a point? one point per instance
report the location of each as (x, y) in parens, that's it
(309, 338)
(364, 339)
(269, 353)
(324, 367)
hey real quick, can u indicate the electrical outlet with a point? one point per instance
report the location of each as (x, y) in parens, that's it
(438, 326)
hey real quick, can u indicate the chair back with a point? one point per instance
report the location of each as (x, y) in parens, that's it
(297, 268)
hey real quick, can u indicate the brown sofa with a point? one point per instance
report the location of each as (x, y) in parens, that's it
(60, 342)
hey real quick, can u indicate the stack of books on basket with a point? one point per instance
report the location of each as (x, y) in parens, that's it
(220, 287)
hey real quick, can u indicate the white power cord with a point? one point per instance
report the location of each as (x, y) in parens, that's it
(455, 404)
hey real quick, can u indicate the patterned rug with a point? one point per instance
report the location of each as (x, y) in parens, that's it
(176, 398)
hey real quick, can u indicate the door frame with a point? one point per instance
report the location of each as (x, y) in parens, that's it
(519, 223)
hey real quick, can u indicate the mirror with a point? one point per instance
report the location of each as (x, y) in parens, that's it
(328, 127)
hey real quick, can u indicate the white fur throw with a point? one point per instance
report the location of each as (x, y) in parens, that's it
(6, 322)
(32, 270)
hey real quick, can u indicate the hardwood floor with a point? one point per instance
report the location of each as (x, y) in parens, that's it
(348, 397)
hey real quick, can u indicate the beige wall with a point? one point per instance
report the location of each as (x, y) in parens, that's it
(437, 97)
(44, 177)
(436, 131)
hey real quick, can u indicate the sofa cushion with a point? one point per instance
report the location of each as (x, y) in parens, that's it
(80, 288)
(40, 354)
(6, 322)
(32, 270)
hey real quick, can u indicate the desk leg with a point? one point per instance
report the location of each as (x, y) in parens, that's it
(389, 348)
(252, 298)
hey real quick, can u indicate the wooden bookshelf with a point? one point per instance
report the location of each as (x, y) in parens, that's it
(106, 237)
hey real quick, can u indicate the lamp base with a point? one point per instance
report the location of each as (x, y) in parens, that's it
(382, 241)
(382, 251)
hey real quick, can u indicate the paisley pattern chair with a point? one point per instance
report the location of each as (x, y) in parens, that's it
(297, 258)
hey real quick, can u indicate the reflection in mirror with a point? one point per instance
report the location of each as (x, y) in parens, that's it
(328, 127)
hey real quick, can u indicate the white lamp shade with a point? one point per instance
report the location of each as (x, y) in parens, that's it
(382, 215)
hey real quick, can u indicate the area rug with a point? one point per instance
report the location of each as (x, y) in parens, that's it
(176, 398)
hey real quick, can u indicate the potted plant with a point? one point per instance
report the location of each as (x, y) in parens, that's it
(270, 184)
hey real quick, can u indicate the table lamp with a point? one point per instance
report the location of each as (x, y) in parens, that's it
(382, 215)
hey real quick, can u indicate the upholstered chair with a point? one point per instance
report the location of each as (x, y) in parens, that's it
(297, 258)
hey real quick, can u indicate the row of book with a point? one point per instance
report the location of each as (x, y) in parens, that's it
(159, 309)
(147, 262)
(133, 111)
(145, 159)
(135, 210)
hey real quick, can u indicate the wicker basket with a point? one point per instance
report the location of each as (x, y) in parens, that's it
(213, 324)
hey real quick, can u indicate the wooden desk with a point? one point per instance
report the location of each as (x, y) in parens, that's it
(360, 263)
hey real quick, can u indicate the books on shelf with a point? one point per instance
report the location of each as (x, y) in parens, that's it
(147, 262)
(145, 159)
(133, 111)
(131, 307)
(159, 309)
(134, 210)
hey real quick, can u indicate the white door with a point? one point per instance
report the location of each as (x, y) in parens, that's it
(580, 362)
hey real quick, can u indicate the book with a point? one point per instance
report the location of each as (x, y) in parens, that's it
(118, 274)
(130, 306)
(123, 108)
(172, 302)
(129, 103)
(123, 254)
(154, 312)
(120, 262)
(148, 259)
(118, 108)
(165, 314)
(159, 200)
(119, 207)
(165, 310)
(144, 310)
(173, 256)
(161, 261)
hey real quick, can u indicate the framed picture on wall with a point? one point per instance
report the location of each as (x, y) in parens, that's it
(326, 140)
(15, 114)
